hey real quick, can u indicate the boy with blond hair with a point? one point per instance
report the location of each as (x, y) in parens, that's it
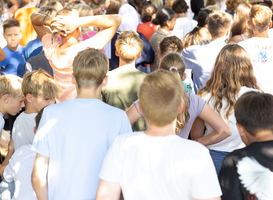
(158, 164)
(201, 59)
(64, 142)
(62, 54)
(260, 47)
(124, 82)
(40, 90)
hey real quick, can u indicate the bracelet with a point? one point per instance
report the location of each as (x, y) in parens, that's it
(44, 19)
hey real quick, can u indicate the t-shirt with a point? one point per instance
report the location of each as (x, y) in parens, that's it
(22, 132)
(260, 51)
(2, 124)
(183, 25)
(75, 135)
(201, 62)
(14, 62)
(246, 173)
(28, 32)
(196, 107)
(122, 88)
(167, 167)
(33, 48)
(61, 61)
(19, 170)
(147, 29)
(234, 141)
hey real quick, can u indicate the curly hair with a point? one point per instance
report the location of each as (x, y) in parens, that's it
(233, 4)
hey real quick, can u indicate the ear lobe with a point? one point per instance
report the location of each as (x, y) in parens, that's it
(139, 55)
(270, 24)
(73, 80)
(248, 23)
(105, 81)
(117, 53)
(180, 109)
(139, 109)
(241, 130)
(29, 98)
(184, 76)
(6, 98)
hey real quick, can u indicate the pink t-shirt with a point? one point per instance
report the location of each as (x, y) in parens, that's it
(61, 61)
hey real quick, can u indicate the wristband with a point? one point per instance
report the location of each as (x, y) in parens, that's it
(44, 19)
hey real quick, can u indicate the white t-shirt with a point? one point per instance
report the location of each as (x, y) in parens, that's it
(76, 135)
(22, 131)
(158, 168)
(260, 51)
(201, 60)
(234, 141)
(183, 26)
(2, 124)
(19, 170)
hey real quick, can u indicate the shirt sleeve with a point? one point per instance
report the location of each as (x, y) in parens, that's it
(8, 171)
(197, 102)
(189, 58)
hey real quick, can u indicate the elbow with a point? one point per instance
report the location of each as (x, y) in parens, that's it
(34, 179)
(118, 20)
(227, 131)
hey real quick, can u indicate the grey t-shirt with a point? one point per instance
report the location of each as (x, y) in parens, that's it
(196, 106)
(2, 123)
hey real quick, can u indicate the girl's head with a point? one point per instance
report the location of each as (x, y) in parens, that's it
(113, 7)
(170, 44)
(148, 13)
(198, 36)
(232, 70)
(165, 17)
(202, 17)
(174, 63)
(84, 10)
(240, 19)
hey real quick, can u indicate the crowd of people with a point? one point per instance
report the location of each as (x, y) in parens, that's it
(136, 100)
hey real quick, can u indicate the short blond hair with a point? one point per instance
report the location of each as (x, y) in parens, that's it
(40, 83)
(159, 96)
(11, 85)
(129, 46)
(90, 67)
(260, 17)
(218, 23)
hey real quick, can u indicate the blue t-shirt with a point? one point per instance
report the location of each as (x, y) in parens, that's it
(14, 62)
(33, 48)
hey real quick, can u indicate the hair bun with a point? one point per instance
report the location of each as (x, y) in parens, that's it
(156, 21)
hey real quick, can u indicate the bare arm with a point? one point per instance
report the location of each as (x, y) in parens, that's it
(133, 114)
(108, 190)
(38, 177)
(6, 161)
(37, 22)
(13, 8)
(197, 129)
(221, 129)
(2, 54)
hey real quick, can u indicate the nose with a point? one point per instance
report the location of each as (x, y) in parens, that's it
(12, 37)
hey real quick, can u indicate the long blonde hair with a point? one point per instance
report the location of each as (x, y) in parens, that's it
(173, 62)
(232, 70)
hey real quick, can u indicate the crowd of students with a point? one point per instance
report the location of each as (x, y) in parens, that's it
(136, 100)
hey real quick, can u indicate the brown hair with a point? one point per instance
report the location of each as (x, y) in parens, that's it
(90, 67)
(232, 71)
(196, 37)
(147, 13)
(39, 117)
(83, 9)
(159, 97)
(57, 5)
(233, 4)
(68, 12)
(180, 6)
(170, 44)
(40, 83)
(9, 23)
(260, 17)
(48, 10)
(113, 7)
(11, 85)
(218, 23)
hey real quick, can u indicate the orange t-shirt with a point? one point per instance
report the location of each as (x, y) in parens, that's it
(61, 61)
(147, 29)
(28, 32)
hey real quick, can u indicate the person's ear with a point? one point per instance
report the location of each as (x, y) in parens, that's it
(139, 55)
(180, 109)
(117, 53)
(248, 23)
(74, 80)
(105, 81)
(270, 24)
(6, 98)
(184, 76)
(168, 23)
(240, 129)
(35, 129)
(139, 109)
(29, 98)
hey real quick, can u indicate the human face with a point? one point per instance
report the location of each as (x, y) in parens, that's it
(172, 24)
(40, 102)
(15, 105)
(13, 36)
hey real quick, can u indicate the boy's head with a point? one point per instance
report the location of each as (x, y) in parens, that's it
(57, 5)
(254, 113)
(170, 44)
(48, 10)
(40, 89)
(90, 67)
(160, 98)
(219, 24)
(11, 96)
(12, 33)
(260, 18)
(128, 46)
(180, 6)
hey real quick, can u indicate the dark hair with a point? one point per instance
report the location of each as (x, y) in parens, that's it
(162, 16)
(147, 13)
(170, 44)
(113, 7)
(254, 111)
(10, 23)
(139, 5)
(39, 117)
(202, 17)
(180, 6)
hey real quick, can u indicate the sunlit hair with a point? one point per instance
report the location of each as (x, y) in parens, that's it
(232, 70)
(40, 83)
(9, 23)
(240, 19)
(48, 10)
(57, 5)
(39, 117)
(259, 17)
(170, 44)
(113, 7)
(83, 9)
(90, 67)
(11, 85)
(233, 4)
(198, 36)
(68, 12)
(74, 3)
(159, 97)
(129, 46)
(175, 60)
(218, 23)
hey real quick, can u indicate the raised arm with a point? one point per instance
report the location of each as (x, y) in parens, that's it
(13, 8)
(41, 24)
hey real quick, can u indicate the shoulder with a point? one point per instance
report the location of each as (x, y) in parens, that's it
(235, 39)
(129, 139)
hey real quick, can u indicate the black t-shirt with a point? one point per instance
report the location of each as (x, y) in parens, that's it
(247, 173)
